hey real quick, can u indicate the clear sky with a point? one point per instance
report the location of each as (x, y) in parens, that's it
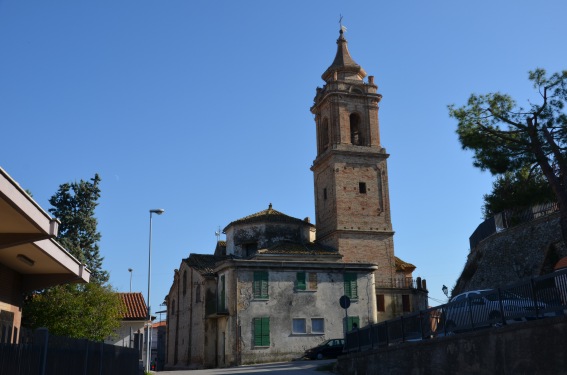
(202, 108)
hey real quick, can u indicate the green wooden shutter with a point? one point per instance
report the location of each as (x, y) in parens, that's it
(351, 320)
(351, 287)
(261, 331)
(300, 281)
(260, 287)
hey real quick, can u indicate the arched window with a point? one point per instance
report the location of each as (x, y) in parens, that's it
(355, 136)
(184, 282)
(325, 135)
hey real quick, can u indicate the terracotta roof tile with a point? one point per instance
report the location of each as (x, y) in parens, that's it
(402, 266)
(135, 306)
(269, 215)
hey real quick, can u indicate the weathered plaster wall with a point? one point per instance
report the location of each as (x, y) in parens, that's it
(527, 250)
(286, 303)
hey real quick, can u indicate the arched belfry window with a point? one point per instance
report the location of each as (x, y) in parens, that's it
(325, 134)
(355, 135)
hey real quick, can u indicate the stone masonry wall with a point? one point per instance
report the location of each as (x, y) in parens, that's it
(527, 250)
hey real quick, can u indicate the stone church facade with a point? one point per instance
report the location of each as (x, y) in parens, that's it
(271, 290)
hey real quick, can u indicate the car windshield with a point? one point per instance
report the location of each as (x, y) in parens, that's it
(325, 343)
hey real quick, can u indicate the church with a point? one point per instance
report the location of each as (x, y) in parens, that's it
(272, 289)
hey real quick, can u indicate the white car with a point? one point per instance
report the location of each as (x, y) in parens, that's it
(484, 308)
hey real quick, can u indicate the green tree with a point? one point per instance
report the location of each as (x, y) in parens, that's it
(74, 205)
(89, 311)
(507, 138)
(516, 191)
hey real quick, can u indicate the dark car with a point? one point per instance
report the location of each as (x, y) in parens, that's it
(327, 349)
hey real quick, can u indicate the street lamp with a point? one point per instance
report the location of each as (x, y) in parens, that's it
(158, 211)
(445, 290)
(130, 270)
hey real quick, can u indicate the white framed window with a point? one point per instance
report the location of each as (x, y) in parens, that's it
(298, 326)
(317, 325)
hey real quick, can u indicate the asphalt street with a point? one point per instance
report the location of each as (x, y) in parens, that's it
(283, 368)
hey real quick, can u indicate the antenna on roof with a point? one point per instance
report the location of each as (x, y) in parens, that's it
(217, 234)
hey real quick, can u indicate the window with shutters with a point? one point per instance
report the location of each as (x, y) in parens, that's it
(352, 322)
(260, 287)
(306, 281)
(262, 331)
(351, 287)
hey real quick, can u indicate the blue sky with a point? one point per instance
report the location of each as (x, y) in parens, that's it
(202, 108)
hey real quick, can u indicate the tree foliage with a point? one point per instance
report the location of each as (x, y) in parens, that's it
(516, 191)
(74, 205)
(507, 138)
(89, 311)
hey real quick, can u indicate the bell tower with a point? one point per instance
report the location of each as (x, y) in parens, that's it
(352, 202)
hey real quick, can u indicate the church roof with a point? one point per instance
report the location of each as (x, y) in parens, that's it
(343, 62)
(288, 247)
(270, 216)
(204, 263)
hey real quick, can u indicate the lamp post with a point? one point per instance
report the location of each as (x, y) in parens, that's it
(445, 290)
(130, 270)
(158, 211)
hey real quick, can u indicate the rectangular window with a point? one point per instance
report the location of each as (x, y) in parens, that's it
(198, 293)
(351, 287)
(306, 281)
(260, 284)
(262, 331)
(381, 303)
(317, 325)
(352, 322)
(406, 303)
(325, 193)
(300, 284)
(250, 248)
(362, 187)
(299, 326)
(312, 281)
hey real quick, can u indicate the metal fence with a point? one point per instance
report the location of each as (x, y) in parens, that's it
(45, 354)
(537, 298)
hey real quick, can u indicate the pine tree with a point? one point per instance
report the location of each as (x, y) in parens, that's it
(74, 205)
(507, 138)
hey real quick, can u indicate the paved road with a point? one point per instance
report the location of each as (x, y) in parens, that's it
(284, 368)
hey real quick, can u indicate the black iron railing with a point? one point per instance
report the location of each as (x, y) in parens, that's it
(537, 298)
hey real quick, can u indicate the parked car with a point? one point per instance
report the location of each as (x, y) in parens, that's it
(327, 349)
(484, 308)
